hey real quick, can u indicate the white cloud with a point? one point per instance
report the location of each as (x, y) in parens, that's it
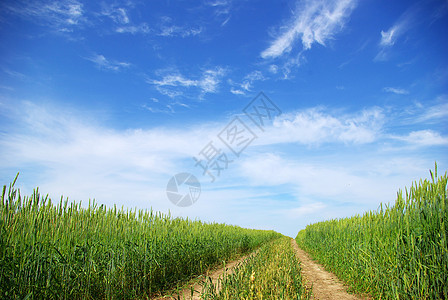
(237, 92)
(247, 83)
(222, 8)
(254, 76)
(133, 29)
(168, 108)
(313, 22)
(13, 73)
(306, 209)
(397, 91)
(68, 152)
(103, 63)
(345, 180)
(273, 69)
(403, 24)
(60, 15)
(219, 3)
(169, 31)
(424, 138)
(117, 14)
(390, 36)
(434, 113)
(316, 126)
(207, 83)
(120, 16)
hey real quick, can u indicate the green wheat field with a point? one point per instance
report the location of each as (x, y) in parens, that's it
(62, 250)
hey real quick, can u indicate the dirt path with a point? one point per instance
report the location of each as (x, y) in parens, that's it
(326, 286)
(213, 274)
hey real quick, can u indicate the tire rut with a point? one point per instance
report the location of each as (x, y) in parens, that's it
(214, 276)
(325, 285)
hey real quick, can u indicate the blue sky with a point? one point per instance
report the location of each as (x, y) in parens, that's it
(109, 100)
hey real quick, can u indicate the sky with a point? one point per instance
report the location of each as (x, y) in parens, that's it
(286, 112)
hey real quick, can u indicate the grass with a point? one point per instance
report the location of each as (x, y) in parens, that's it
(66, 251)
(396, 252)
(273, 272)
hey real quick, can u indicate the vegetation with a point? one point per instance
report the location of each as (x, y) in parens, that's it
(273, 272)
(66, 251)
(398, 252)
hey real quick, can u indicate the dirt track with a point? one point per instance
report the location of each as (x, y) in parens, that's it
(214, 275)
(326, 286)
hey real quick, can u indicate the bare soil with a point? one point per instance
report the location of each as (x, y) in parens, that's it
(325, 285)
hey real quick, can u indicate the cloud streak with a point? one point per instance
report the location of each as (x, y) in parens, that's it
(317, 125)
(134, 29)
(63, 15)
(313, 22)
(397, 91)
(247, 83)
(390, 37)
(105, 64)
(118, 15)
(424, 138)
(65, 152)
(175, 84)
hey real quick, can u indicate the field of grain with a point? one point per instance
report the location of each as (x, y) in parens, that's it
(65, 251)
(396, 252)
(271, 273)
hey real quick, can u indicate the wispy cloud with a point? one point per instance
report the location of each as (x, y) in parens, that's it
(161, 107)
(308, 178)
(120, 13)
(397, 91)
(435, 113)
(103, 63)
(71, 149)
(399, 28)
(65, 152)
(62, 15)
(173, 84)
(237, 91)
(219, 3)
(166, 28)
(134, 29)
(313, 22)
(222, 10)
(179, 31)
(424, 138)
(273, 69)
(247, 83)
(13, 73)
(117, 14)
(318, 125)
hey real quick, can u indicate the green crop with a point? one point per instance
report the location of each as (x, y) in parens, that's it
(273, 272)
(397, 252)
(66, 251)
